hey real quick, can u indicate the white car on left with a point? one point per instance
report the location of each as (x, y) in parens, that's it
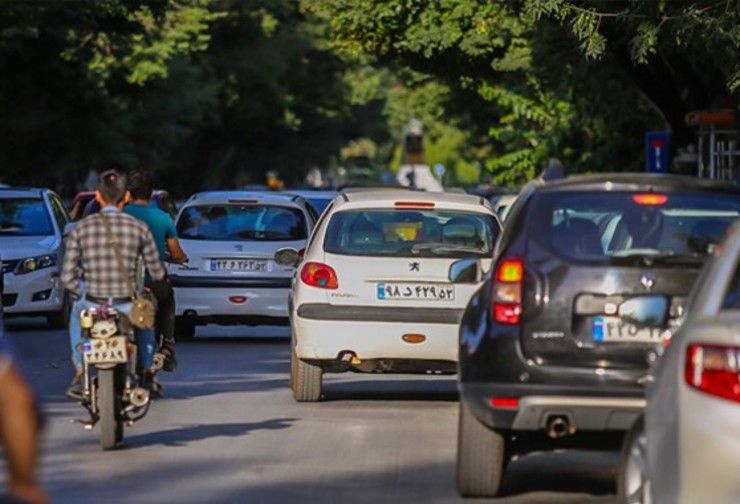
(33, 223)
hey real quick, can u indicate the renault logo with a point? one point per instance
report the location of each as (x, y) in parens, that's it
(648, 280)
(414, 266)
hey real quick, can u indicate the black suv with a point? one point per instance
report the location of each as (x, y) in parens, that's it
(589, 274)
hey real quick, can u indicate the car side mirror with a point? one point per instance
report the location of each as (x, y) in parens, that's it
(67, 228)
(644, 311)
(287, 257)
(466, 271)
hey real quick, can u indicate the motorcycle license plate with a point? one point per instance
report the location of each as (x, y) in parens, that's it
(105, 351)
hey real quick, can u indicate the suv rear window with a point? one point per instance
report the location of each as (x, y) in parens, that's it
(406, 233)
(230, 222)
(611, 225)
(24, 217)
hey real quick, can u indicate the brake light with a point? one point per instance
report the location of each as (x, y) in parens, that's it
(414, 204)
(650, 199)
(319, 275)
(714, 370)
(507, 291)
(505, 402)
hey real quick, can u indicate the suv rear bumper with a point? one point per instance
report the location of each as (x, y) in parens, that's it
(586, 409)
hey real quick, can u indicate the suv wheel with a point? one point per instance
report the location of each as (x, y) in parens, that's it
(305, 380)
(184, 329)
(633, 481)
(480, 457)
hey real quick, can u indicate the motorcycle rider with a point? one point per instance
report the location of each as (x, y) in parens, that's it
(89, 257)
(163, 229)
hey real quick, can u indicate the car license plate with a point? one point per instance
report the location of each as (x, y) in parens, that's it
(416, 291)
(105, 351)
(258, 265)
(615, 330)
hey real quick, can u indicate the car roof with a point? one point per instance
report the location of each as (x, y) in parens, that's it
(21, 192)
(388, 199)
(312, 193)
(598, 180)
(234, 196)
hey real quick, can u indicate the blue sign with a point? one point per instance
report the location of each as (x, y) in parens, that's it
(439, 169)
(657, 151)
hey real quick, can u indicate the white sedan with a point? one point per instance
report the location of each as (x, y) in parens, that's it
(373, 292)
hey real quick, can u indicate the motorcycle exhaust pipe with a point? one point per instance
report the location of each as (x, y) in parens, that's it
(139, 397)
(558, 426)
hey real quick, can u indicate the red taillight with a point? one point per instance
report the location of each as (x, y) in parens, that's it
(507, 291)
(505, 402)
(414, 204)
(650, 199)
(319, 275)
(714, 370)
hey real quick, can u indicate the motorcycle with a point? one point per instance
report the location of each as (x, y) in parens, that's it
(113, 392)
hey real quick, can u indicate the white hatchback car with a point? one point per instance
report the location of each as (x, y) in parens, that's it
(230, 238)
(373, 293)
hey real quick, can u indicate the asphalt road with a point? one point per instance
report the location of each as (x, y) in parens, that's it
(228, 430)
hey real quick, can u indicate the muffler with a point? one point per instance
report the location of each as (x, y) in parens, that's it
(559, 426)
(139, 397)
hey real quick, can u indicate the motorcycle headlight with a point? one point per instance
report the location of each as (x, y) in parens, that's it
(34, 263)
(103, 329)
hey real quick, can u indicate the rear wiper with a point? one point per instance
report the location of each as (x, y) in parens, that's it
(442, 248)
(652, 256)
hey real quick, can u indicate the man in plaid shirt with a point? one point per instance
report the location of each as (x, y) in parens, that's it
(89, 257)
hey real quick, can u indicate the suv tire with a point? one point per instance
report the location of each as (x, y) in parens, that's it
(480, 457)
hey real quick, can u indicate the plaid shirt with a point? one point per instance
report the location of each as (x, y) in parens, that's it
(89, 256)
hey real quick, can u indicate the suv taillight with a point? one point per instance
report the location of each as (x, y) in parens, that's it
(507, 291)
(319, 275)
(714, 370)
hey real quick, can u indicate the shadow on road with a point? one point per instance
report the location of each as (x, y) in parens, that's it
(436, 389)
(184, 435)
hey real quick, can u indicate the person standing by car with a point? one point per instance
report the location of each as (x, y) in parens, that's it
(165, 235)
(90, 256)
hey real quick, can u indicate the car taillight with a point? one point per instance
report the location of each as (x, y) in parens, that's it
(651, 199)
(714, 370)
(319, 275)
(507, 291)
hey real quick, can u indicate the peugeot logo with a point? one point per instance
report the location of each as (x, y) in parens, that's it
(239, 247)
(648, 280)
(414, 266)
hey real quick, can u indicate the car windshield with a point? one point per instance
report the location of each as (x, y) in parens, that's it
(618, 226)
(405, 233)
(241, 222)
(24, 217)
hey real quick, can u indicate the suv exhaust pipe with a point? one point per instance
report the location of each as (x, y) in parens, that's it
(559, 426)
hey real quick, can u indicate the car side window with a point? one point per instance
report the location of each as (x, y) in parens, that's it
(732, 298)
(316, 227)
(59, 211)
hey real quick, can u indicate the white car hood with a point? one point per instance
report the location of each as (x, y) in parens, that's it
(20, 247)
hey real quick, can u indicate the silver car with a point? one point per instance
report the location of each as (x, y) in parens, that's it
(686, 449)
(230, 238)
(33, 223)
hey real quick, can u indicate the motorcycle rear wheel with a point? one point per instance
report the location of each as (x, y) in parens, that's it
(109, 408)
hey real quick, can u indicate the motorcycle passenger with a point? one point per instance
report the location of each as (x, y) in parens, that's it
(89, 256)
(165, 235)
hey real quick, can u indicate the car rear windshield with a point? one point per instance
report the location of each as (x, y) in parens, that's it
(613, 225)
(24, 217)
(241, 222)
(406, 233)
